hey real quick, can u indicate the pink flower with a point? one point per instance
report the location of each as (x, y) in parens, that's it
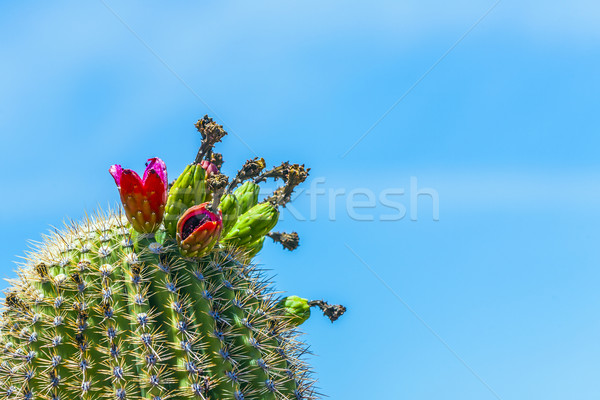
(143, 198)
(198, 230)
(209, 167)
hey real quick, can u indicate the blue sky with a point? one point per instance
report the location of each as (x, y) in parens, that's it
(502, 288)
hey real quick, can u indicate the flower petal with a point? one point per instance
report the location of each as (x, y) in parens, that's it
(116, 171)
(130, 182)
(157, 165)
(209, 167)
(156, 192)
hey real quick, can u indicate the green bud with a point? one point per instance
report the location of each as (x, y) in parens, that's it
(253, 225)
(188, 190)
(296, 309)
(230, 209)
(247, 195)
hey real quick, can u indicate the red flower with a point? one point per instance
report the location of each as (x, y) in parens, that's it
(143, 199)
(198, 230)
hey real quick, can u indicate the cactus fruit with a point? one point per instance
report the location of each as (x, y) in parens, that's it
(198, 230)
(128, 305)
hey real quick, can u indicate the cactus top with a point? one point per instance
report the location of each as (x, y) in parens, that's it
(160, 299)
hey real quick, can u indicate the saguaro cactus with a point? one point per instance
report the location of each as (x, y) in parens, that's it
(160, 299)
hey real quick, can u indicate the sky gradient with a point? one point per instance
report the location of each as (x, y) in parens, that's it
(497, 299)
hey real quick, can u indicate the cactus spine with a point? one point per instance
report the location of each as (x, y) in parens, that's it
(131, 305)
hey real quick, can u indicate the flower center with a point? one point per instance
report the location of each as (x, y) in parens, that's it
(192, 223)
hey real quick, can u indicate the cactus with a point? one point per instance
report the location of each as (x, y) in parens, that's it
(131, 305)
(247, 195)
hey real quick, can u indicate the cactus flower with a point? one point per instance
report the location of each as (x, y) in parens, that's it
(198, 230)
(143, 198)
(209, 167)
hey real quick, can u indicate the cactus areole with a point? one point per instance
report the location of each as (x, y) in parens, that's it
(160, 299)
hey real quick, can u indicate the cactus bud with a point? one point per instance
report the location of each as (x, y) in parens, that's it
(247, 195)
(295, 309)
(143, 198)
(188, 190)
(198, 230)
(253, 225)
(229, 207)
(209, 167)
